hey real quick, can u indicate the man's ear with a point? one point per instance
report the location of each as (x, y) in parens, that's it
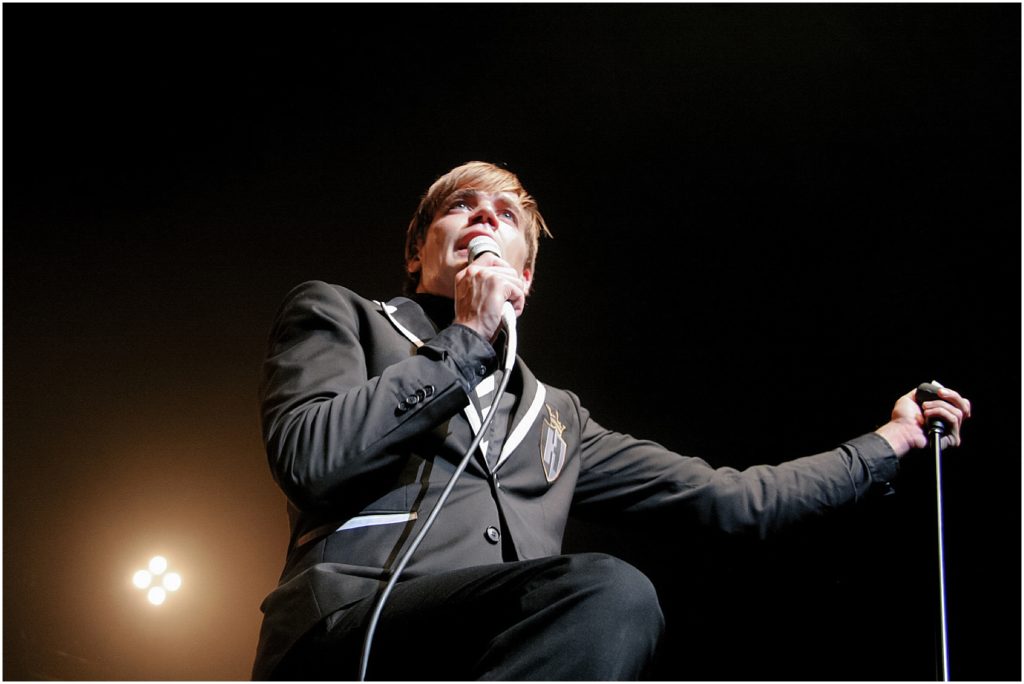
(413, 263)
(527, 279)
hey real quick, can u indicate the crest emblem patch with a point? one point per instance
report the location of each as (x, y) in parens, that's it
(552, 445)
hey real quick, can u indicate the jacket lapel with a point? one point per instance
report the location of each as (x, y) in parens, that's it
(528, 407)
(409, 319)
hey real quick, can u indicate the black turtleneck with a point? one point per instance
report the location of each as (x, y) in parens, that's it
(441, 310)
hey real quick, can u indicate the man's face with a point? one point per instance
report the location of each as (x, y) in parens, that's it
(465, 214)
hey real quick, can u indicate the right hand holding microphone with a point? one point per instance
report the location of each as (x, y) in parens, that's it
(483, 287)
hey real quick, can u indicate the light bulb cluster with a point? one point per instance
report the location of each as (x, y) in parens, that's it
(156, 581)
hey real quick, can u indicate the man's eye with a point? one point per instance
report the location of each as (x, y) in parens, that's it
(510, 215)
(460, 204)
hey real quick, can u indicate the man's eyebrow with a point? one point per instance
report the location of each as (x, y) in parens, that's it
(464, 193)
(506, 198)
(510, 200)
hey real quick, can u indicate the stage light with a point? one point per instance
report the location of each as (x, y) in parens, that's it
(142, 579)
(157, 580)
(157, 565)
(156, 595)
(172, 581)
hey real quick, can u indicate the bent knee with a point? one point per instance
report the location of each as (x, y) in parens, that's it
(619, 586)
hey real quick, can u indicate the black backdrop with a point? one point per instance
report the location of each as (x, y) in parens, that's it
(770, 221)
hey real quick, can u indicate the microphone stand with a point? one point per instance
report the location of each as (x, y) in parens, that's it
(936, 429)
(935, 432)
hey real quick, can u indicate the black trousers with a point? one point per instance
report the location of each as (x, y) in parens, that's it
(575, 617)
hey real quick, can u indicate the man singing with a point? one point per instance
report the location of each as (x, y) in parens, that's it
(367, 409)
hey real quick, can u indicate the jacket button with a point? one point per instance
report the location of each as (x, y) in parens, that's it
(481, 370)
(412, 400)
(429, 389)
(492, 534)
(421, 394)
(402, 406)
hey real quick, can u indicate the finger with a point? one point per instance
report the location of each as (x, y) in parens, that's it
(497, 281)
(514, 293)
(487, 277)
(478, 270)
(499, 285)
(491, 259)
(500, 276)
(948, 413)
(953, 397)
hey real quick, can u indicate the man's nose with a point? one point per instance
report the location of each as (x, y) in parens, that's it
(484, 213)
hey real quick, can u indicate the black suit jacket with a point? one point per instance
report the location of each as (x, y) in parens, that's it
(366, 414)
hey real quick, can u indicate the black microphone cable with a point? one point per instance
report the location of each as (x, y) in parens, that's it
(477, 247)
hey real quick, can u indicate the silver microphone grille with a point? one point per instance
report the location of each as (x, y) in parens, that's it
(482, 244)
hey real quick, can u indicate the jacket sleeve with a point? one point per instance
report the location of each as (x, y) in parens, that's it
(327, 424)
(621, 474)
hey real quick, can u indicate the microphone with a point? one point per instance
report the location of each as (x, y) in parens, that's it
(929, 391)
(479, 246)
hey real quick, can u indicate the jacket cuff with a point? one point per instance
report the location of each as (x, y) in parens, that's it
(465, 352)
(879, 458)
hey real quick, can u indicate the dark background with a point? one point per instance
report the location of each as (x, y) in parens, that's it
(770, 221)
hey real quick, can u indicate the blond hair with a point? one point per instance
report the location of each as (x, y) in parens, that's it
(474, 175)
